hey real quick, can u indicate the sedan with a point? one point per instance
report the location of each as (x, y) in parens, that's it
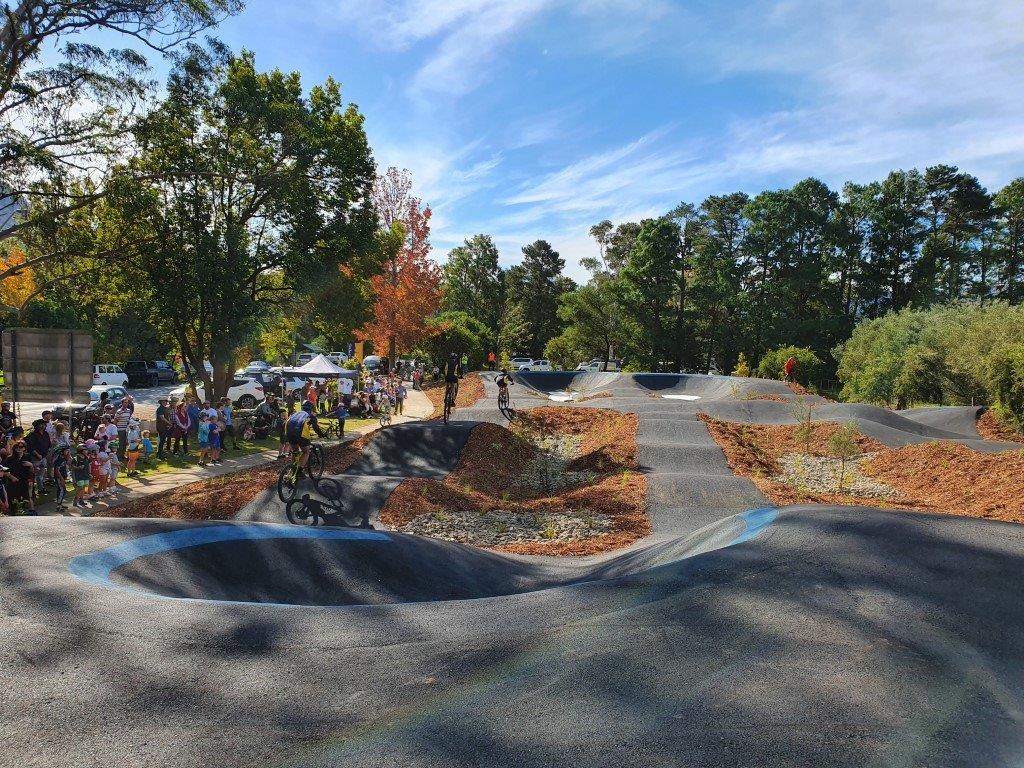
(245, 393)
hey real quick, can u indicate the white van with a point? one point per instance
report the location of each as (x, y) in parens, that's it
(108, 374)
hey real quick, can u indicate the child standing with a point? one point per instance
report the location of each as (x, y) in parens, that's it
(113, 467)
(204, 438)
(61, 458)
(216, 434)
(341, 413)
(80, 474)
(147, 445)
(134, 449)
(96, 473)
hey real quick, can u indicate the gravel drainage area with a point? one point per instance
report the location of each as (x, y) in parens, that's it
(499, 527)
(822, 474)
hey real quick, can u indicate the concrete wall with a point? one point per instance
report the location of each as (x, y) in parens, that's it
(47, 364)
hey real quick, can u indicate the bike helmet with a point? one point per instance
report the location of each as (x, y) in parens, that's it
(307, 406)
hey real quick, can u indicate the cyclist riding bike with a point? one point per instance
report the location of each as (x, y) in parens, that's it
(299, 430)
(504, 381)
(452, 369)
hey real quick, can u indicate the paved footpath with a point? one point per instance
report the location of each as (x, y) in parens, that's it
(417, 407)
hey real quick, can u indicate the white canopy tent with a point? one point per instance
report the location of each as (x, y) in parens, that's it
(320, 368)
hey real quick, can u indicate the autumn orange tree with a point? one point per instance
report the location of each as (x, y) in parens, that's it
(19, 285)
(408, 290)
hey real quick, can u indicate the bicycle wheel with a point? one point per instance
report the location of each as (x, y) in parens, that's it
(503, 401)
(298, 513)
(315, 465)
(288, 482)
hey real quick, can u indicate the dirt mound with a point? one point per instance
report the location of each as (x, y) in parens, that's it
(992, 427)
(936, 476)
(471, 389)
(496, 477)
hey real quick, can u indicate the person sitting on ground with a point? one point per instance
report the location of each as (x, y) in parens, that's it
(300, 429)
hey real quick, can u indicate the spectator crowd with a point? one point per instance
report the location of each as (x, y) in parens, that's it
(46, 460)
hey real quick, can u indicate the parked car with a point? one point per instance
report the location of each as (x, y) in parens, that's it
(338, 358)
(372, 362)
(85, 417)
(141, 373)
(520, 363)
(304, 358)
(245, 393)
(598, 364)
(164, 371)
(106, 374)
(537, 365)
(271, 382)
(185, 367)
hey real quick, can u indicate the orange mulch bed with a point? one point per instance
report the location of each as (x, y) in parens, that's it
(222, 497)
(937, 476)
(800, 389)
(992, 427)
(494, 459)
(766, 396)
(471, 389)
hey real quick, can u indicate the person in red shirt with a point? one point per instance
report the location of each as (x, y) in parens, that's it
(788, 367)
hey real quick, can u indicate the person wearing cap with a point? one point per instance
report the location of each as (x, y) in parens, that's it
(121, 419)
(164, 426)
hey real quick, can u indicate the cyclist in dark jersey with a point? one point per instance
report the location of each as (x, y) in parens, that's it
(299, 430)
(452, 369)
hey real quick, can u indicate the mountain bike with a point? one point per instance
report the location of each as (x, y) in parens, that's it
(503, 399)
(331, 429)
(451, 391)
(288, 479)
(385, 413)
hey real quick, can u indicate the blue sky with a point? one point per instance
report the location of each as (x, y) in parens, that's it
(528, 119)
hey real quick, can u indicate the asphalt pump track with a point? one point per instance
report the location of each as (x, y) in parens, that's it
(736, 634)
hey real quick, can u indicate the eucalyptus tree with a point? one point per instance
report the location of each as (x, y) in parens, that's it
(65, 125)
(257, 195)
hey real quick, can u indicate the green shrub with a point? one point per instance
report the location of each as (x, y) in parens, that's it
(808, 364)
(943, 355)
(742, 367)
(1006, 377)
